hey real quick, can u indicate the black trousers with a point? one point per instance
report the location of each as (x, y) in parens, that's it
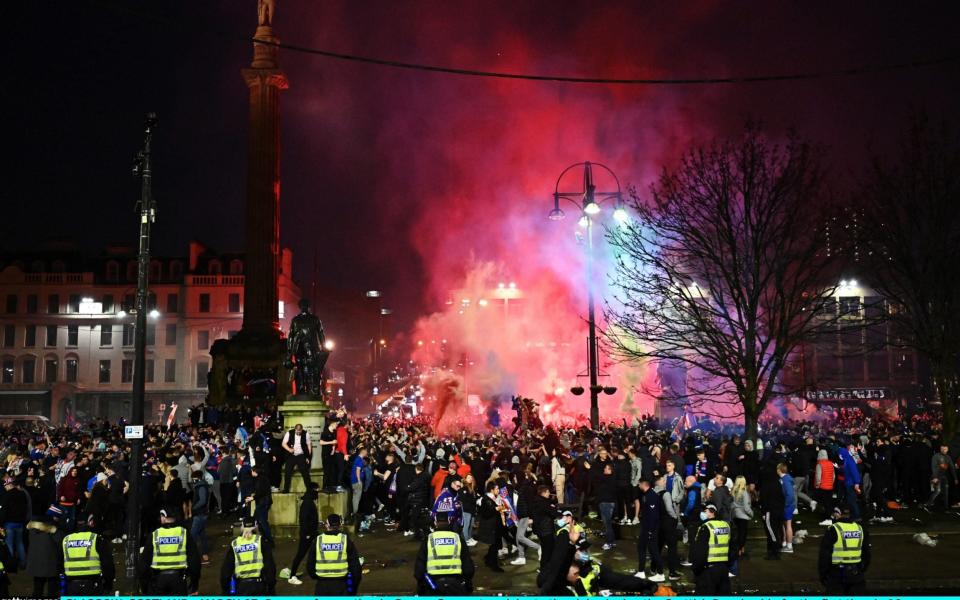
(715, 579)
(773, 526)
(845, 581)
(611, 580)
(251, 587)
(447, 585)
(546, 551)
(491, 557)
(649, 541)
(83, 587)
(170, 584)
(669, 536)
(302, 548)
(327, 586)
(740, 533)
(52, 585)
(302, 464)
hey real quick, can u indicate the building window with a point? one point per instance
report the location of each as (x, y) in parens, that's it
(903, 365)
(173, 304)
(127, 334)
(7, 375)
(30, 336)
(132, 271)
(72, 368)
(11, 304)
(151, 301)
(37, 266)
(148, 371)
(214, 267)
(107, 304)
(203, 340)
(169, 370)
(126, 370)
(29, 370)
(236, 267)
(204, 303)
(850, 307)
(50, 370)
(156, 272)
(74, 306)
(113, 271)
(104, 371)
(51, 336)
(176, 270)
(151, 334)
(878, 366)
(128, 302)
(202, 369)
(234, 301)
(53, 304)
(32, 303)
(58, 266)
(171, 337)
(9, 335)
(106, 335)
(73, 336)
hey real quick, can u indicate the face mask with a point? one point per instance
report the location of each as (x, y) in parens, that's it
(703, 516)
(561, 523)
(583, 556)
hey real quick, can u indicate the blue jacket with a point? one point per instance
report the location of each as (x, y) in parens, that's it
(789, 494)
(851, 474)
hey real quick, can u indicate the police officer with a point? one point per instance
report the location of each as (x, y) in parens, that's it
(249, 563)
(586, 577)
(170, 565)
(86, 563)
(844, 555)
(711, 554)
(444, 565)
(570, 534)
(333, 561)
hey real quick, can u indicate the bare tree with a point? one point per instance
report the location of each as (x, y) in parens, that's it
(910, 238)
(722, 274)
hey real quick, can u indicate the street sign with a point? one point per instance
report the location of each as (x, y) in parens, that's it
(133, 432)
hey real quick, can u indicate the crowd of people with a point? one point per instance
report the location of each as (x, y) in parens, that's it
(521, 495)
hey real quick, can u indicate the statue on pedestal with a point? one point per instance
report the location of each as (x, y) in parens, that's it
(265, 10)
(306, 353)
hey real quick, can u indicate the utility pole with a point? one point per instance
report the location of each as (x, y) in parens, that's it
(148, 212)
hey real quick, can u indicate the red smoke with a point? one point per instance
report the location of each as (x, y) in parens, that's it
(471, 164)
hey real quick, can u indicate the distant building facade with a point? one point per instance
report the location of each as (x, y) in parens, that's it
(67, 332)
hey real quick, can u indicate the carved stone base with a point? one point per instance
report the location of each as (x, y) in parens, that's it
(285, 511)
(258, 353)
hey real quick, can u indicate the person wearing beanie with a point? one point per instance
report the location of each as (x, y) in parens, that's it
(309, 528)
(333, 561)
(248, 564)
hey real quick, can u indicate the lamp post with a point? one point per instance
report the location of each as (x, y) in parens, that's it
(148, 210)
(588, 200)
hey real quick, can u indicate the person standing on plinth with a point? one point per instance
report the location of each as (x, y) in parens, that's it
(299, 450)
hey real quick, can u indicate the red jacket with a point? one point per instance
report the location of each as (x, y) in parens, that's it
(342, 436)
(69, 490)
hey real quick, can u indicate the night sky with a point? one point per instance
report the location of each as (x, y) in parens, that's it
(399, 179)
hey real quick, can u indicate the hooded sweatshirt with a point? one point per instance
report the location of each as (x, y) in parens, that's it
(851, 473)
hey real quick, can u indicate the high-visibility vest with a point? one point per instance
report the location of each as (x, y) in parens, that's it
(443, 553)
(587, 580)
(80, 557)
(169, 549)
(248, 560)
(576, 527)
(827, 475)
(718, 545)
(332, 556)
(848, 547)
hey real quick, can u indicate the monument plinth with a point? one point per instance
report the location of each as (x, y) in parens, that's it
(256, 353)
